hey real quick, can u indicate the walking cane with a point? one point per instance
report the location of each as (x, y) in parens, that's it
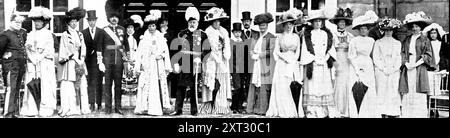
(196, 83)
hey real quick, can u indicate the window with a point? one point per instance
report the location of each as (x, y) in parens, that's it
(58, 7)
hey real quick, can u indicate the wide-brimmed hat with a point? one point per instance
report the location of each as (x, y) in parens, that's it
(263, 18)
(316, 14)
(137, 19)
(237, 27)
(128, 22)
(291, 15)
(153, 17)
(40, 13)
(246, 15)
(91, 15)
(432, 26)
(215, 13)
(419, 18)
(192, 14)
(368, 19)
(342, 14)
(76, 13)
(389, 24)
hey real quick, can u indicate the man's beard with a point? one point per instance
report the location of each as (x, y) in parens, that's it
(192, 28)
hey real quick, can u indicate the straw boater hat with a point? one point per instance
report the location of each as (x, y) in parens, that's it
(436, 26)
(418, 18)
(263, 18)
(291, 15)
(367, 19)
(153, 17)
(389, 24)
(316, 14)
(342, 14)
(40, 13)
(192, 14)
(215, 13)
(75, 14)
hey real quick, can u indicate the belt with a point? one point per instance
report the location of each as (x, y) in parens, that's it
(341, 49)
(113, 47)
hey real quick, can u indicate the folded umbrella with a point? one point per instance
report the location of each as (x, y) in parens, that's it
(296, 88)
(34, 86)
(359, 91)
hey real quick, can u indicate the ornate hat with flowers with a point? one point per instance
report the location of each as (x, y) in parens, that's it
(137, 19)
(419, 18)
(342, 14)
(263, 18)
(291, 15)
(153, 17)
(40, 13)
(389, 24)
(75, 14)
(215, 13)
(316, 14)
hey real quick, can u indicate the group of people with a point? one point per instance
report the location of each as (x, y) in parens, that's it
(312, 69)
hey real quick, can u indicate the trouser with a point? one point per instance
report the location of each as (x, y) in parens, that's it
(113, 73)
(239, 95)
(181, 94)
(94, 78)
(13, 71)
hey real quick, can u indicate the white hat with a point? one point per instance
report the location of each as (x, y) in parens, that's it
(290, 15)
(215, 13)
(418, 17)
(192, 14)
(436, 26)
(137, 19)
(153, 16)
(40, 13)
(316, 14)
(367, 19)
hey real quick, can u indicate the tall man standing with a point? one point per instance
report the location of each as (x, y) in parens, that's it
(115, 52)
(93, 38)
(14, 57)
(247, 22)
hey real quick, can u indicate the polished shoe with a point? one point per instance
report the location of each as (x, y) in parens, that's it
(99, 107)
(92, 107)
(175, 113)
(10, 116)
(108, 111)
(117, 110)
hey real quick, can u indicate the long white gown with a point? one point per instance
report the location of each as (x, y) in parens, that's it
(342, 65)
(281, 103)
(153, 72)
(387, 59)
(359, 52)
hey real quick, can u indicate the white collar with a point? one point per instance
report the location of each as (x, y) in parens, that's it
(72, 30)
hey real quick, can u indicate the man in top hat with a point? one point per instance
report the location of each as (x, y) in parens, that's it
(239, 75)
(13, 60)
(93, 38)
(247, 22)
(115, 52)
(190, 54)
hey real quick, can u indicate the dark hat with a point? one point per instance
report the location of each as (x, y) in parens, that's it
(263, 18)
(91, 15)
(237, 27)
(128, 22)
(246, 16)
(342, 14)
(76, 13)
(113, 14)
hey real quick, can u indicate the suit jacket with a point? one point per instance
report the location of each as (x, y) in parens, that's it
(253, 33)
(93, 45)
(13, 42)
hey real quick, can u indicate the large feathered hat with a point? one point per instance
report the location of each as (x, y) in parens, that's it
(75, 14)
(263, 18)
(389, 24)
(419, 18)
(432, 26)
(316, 14)
(153, 17)
(137, 19)
(40, 13)
(215, 13)
(192, 14)
(291, 15)
(128, 22)
(342, 14)
(368, 19)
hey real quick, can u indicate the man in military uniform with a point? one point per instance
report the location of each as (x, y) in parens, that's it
(191, 54)
(115, 52)
(12, 49)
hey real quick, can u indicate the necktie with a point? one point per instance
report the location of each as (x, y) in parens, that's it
(247, 33)
(92, 30)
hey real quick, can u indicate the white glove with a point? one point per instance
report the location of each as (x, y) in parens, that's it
(101, 67)
(410, 65)
(176, 68)
(197, 60)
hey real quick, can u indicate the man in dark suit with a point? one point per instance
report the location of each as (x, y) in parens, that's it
(247, 21)
(93, 38)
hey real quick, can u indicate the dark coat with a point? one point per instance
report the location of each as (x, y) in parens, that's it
(109, 56)
(93, 45)
(14, 42)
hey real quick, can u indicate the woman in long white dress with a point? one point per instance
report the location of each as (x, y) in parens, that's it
(342, 19)
(153, 65)
(217, 66)
(287, 69)
(387, 59)
(362, 69)
(417, 58)
(317, 56)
